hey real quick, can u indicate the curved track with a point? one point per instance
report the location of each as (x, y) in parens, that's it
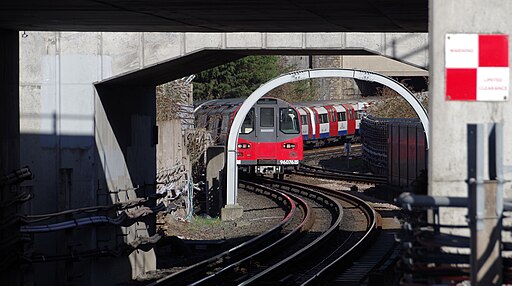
(311, 244)
(331, 254)
(317, 172)
(215, 269)
(331, 151)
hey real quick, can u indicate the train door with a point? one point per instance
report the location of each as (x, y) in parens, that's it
(266, 130)
(351, 119)
(333, 121)
(360, 108)
(305, 129)
(312, 123)
(342, 120)
(317, 121)
(323, 122)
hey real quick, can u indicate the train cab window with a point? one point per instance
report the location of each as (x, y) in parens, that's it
(288, 121)
(267, 117)
(342, 116)
(248, 124)
(323, 118)
(304, 119)
(225, 121)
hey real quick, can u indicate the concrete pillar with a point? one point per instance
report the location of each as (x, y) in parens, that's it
(448, 151)
(215, 168)
(126, 139)
(9, 148)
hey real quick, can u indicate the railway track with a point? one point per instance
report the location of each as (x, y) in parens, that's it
(282, 268)
(330, 152)
(235, 262)
(310, 244)
(318, 172)
(333, 256)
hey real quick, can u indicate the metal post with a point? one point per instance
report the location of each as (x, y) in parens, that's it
(485, 224)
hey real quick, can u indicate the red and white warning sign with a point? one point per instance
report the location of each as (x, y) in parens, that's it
(477, 67)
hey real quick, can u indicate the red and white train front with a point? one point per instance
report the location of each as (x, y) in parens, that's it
(269, 140)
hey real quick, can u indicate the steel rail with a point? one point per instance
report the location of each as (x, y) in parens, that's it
(181, 277)
(332, 151)
(373, 226)
(251, 260)
(312, 246)
(372, 229)
(307, 170)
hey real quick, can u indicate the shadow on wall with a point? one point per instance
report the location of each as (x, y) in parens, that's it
(67, 176)
(129, 112)
(395, 43)
(115, 165)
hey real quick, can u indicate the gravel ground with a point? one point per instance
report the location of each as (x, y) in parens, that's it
(187, 243)
(260, 214)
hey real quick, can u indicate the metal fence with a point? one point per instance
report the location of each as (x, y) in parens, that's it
(395, 148)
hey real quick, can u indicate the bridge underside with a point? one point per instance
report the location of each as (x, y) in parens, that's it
(196, 62)
(216, 16)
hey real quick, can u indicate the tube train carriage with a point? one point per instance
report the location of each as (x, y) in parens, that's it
(330, 121)
(269, 141)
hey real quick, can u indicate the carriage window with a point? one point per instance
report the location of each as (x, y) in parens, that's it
(342, 116)
(323, 118)
(248, 124)
(304, 119)
(288, 121)
(267, 117)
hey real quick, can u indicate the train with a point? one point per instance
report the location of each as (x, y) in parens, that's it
(270, 139)
(330, 121)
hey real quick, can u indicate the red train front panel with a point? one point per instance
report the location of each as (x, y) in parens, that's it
(270, 138)
(351, 119)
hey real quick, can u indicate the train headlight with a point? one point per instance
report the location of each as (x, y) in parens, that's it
(288, 145)
(244, 146)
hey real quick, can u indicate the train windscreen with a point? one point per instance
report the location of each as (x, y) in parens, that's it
(267, 117)
(288, 120)
(248, 124)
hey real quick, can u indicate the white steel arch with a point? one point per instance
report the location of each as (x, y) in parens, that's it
(231, 168)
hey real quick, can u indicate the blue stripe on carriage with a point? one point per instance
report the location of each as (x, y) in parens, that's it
(342, 132)
(324, 135)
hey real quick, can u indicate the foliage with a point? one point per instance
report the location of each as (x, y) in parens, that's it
(235, 79)
(300, 91)
(205, 222)
(241, 78)
(172, 100)
(391, 105)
